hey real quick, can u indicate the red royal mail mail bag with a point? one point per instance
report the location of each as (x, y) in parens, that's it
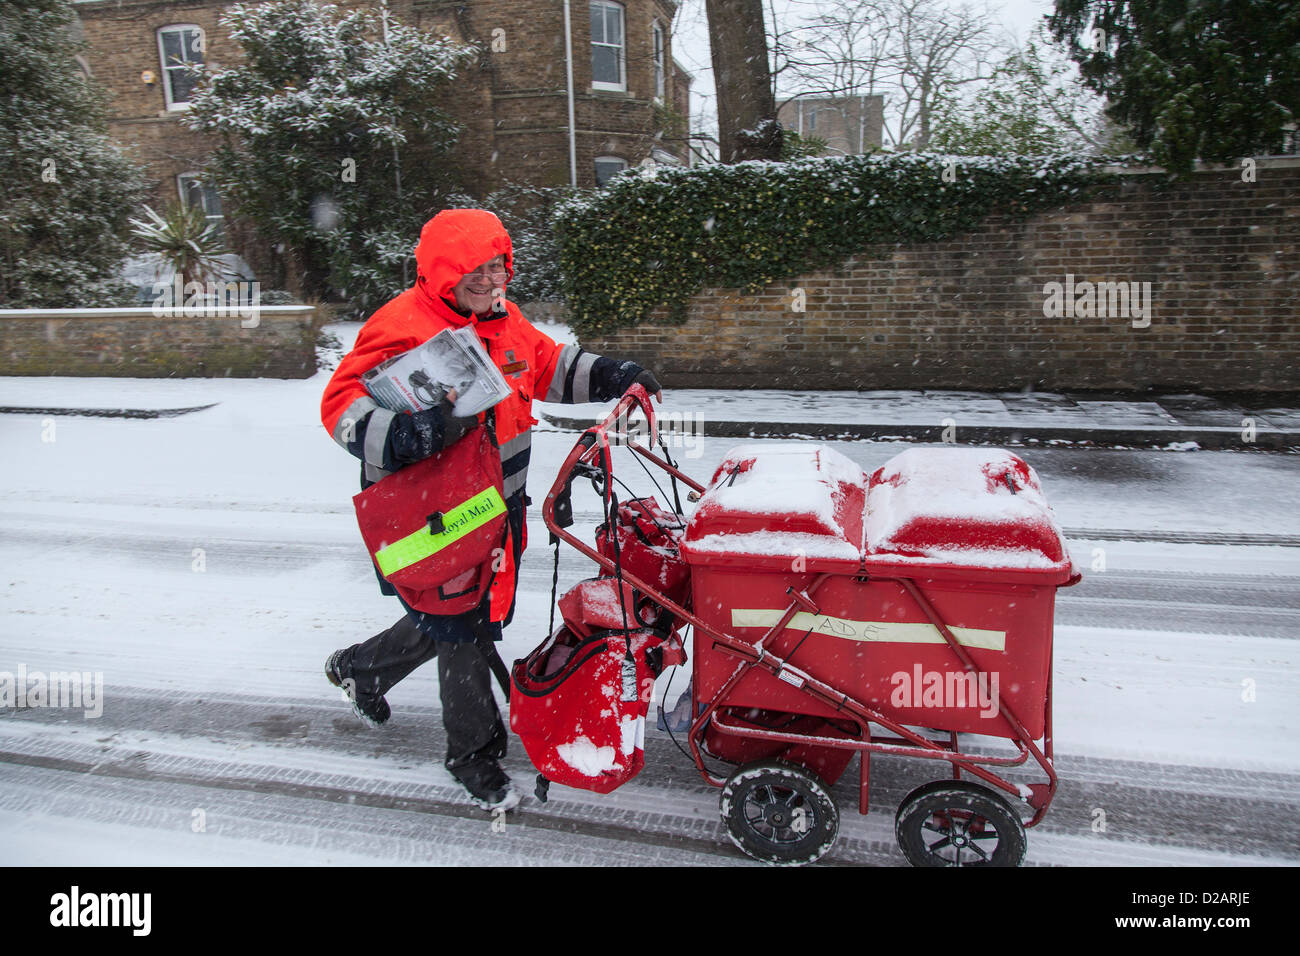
(433, 528)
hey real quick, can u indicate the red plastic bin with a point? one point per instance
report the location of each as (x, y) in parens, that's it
(970, 529)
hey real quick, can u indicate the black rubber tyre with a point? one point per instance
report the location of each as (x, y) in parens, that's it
(779, 813)
(957, 823)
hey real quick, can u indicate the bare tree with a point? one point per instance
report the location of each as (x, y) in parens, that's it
(939, 50)
(843, 53)
(747, 127)
(912, 52)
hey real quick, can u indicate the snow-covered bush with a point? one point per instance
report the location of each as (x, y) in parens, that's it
(66, 190)
(329, 140)
(654, 237)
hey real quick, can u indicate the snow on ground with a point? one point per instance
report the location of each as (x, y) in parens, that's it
(217, 552)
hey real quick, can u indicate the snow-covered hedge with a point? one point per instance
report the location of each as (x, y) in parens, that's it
(655, 236)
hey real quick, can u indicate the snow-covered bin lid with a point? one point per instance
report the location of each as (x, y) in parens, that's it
(778, 502)
(972, 507)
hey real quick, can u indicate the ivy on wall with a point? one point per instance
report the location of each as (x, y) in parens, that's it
(654, 237)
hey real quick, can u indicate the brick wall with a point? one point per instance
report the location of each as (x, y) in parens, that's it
(136, 343)
(513, 104)
(1222, 257)
(124, 46)
(525, 113)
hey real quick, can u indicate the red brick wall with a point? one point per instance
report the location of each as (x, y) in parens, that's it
(123, 40)
(513, 104)
(1222, 257)
(527, 107)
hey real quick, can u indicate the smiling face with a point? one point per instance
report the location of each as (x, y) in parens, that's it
(477, 290)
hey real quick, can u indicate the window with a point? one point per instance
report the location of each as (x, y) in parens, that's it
(810, 118)
(608, 68)
(607, 167)
(660, 54)
(194, 192)
(178, 46)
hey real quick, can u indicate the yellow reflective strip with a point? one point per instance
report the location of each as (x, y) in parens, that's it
(884, 632)
(456, 523)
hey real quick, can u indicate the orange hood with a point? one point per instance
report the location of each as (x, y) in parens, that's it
(457, 241)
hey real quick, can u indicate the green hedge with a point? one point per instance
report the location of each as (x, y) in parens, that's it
(655, 237)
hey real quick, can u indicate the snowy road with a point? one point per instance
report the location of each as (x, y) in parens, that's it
(207, 564)
(213, 778)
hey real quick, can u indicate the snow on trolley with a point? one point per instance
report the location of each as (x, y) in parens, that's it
(831, 612)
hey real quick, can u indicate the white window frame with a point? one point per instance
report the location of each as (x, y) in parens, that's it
(609, 159)
(812, 117)
(659, 56)
(621, 46)
(173, 106)
(219, 218)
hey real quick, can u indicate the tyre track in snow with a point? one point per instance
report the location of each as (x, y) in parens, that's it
(298, 814)
(157, 791)
(161, 738)
(1219, 603)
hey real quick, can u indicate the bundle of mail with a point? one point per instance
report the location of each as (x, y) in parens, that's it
(454, 359)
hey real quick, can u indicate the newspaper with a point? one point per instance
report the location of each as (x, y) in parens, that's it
(419, 378)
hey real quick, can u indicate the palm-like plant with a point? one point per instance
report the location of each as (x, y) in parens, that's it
(184, 239)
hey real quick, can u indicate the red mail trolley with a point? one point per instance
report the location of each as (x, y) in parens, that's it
(832, 613)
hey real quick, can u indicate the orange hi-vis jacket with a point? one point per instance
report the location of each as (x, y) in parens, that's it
(453, 243)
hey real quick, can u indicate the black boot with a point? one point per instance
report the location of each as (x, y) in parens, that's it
(373, 710)
(488, 785)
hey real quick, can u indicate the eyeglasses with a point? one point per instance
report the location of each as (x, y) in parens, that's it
(495, 277)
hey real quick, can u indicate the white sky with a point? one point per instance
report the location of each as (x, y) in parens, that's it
(691, 41)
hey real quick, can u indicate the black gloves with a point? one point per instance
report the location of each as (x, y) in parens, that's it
(453, 427)
(611, 379)
(416, 436)
(647, 379)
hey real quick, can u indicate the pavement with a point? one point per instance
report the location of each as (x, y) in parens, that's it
(1050, 418)
(1046, 418)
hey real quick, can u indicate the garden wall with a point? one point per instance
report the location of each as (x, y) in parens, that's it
(1221, 255)
(279, 342)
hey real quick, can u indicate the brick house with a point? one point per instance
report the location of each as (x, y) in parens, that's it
(848, 124)
(631, 99)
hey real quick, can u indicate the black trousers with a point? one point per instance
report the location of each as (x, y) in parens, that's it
(470, 716)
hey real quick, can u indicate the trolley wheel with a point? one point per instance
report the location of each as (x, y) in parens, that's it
(779, 813)
(957, 823)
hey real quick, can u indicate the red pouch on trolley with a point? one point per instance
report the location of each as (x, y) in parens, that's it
(648, 539)
(431, 527)
(570, 709)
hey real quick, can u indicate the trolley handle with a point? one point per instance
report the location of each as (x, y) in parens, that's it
(634, 396)
(588, 451)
